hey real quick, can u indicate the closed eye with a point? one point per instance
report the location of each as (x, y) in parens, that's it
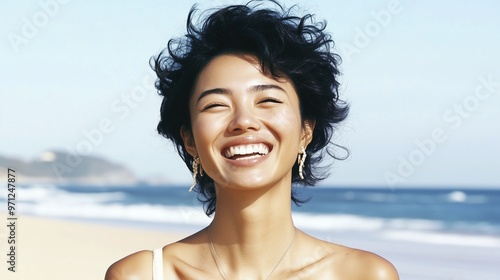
(212, 105)
(270, 99)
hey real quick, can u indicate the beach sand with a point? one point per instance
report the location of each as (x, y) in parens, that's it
(50, 249)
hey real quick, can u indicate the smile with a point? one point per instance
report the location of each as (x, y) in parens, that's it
(245, 152)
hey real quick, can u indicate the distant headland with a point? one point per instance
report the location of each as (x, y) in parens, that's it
(60, 167)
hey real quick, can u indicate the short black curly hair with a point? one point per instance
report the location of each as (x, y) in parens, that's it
(287, 46)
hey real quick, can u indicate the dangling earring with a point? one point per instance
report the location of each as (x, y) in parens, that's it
(196, 165)
(301, 159)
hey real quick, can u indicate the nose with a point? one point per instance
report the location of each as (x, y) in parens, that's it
(243, 120)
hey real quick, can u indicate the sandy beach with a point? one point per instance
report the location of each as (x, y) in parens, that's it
(55, 250)
(50, 249)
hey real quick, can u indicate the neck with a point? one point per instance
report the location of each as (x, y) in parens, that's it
(252, 229)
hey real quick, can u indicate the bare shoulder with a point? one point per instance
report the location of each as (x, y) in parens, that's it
(359, 264)
(131, 267)
(181, 260)
(374, 266)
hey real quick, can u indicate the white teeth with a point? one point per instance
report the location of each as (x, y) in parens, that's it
(250, 157)
(260, 149)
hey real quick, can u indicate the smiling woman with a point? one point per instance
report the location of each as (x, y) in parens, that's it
(249, 110)
(251, 102)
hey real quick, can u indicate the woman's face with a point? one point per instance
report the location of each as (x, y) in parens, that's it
(246, 127)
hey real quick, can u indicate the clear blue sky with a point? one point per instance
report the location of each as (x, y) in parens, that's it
(422, 77)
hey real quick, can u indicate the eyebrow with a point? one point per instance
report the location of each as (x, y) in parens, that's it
(224, 91)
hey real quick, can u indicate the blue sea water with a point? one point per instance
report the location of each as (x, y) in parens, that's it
(423, 215)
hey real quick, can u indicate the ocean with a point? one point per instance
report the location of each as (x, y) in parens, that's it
(430, 215)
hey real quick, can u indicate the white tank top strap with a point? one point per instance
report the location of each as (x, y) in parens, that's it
(158, 264)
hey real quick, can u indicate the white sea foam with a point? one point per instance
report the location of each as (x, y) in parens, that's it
(359, 223)
(50, 201)
(136, 212)
(457, 196)
(97, 206)
(57, 196)
(443, 238)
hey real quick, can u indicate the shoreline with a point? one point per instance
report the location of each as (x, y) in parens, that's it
(54, 248)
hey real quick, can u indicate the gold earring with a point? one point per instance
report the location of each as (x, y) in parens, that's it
(301, 159)
(196, 166)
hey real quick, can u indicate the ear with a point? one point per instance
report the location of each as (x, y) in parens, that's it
(307, 132)
(188, 139)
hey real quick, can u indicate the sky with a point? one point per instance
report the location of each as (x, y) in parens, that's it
(422, 79)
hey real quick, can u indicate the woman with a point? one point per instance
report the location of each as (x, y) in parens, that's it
(251, 101)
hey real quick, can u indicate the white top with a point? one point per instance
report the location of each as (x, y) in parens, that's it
(158, 264)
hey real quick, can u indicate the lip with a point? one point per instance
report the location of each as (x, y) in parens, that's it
(246, 141)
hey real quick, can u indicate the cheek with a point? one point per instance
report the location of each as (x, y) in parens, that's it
(207, 130)
(203, 129)
(286, 126)
(287, 120)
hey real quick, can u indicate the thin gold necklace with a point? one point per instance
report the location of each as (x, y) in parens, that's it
(221, 270)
